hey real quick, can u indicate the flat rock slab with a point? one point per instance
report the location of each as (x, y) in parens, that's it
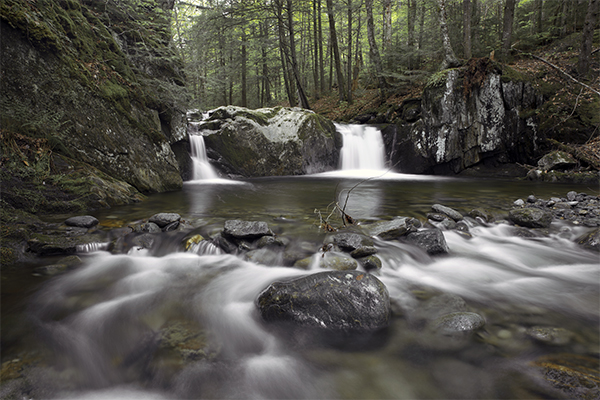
(393, 229)
(450, 212)
(246, 229)
(346, 301)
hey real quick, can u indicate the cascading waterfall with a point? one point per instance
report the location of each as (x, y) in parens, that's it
(363, 148)
(202, 168)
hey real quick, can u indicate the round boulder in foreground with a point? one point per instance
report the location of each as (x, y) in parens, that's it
(333, 300)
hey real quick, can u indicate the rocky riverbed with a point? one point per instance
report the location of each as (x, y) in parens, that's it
(352, 258)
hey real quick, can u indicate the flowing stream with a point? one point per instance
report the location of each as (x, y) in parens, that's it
(171, 324)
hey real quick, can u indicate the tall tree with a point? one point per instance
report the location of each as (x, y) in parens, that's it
(349, 69)
(336, 51)
(244, 67)
(585, 52)
(507, 28)
(450, 59)
(412, 16)
(294, 60)
(467, 12)
(374, 50)
(387, 25)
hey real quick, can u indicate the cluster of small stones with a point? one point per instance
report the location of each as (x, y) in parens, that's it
(579, 208)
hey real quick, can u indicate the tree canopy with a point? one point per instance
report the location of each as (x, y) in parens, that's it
(260, 53)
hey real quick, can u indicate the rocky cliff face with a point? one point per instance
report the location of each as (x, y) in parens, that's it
(270, 141)
(91, 83)
(466, 116)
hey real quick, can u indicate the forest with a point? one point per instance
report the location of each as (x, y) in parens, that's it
(282, 52)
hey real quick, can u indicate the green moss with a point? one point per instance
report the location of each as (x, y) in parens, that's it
(512, 75)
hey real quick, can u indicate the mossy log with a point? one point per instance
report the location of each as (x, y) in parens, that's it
(589, 157)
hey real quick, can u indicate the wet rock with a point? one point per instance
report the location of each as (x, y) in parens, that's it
(450, 212)
(590, 240)
(572, 195)
(363, 251)
(438, 306)
(164, 219)
(430, 240)
(481, 214)
(393, 229)
(171, 227)
(573, 374)
(147, 227)
(239, 229)
(53, 244)
(335, 300)
(83, 221)
(530, 217)
(549, 335)
(557, 160)
(62, 266)
(459, 322)
(348, 241)
(337, 262)
(264, 256)
(370, 263)
(519, 203)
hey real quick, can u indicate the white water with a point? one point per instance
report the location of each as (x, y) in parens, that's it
(104, 319)
(363, 148)
(202, 170)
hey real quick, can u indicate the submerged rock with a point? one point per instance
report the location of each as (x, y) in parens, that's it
(165, 219)
(338, 300)
(591, 240)
(573, 374)
(459, 322)
(83, 221)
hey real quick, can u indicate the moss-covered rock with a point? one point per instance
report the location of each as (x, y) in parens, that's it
(99, 86)
(270, 142)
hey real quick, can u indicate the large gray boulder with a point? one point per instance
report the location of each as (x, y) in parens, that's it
(270, 141)
(465, 121)
(530, 217)
(346, 301)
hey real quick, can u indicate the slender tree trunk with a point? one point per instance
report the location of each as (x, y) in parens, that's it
(538, 16)
(315, 26)
(412, 17)
(301, 93)
(387, 25)
(467, 28)
(320, 47)
(450, 59)
(349, 69)
(421, 32)
(374, 51)
(336, 52)
(244, 70)
(509, 17)
(585, 52)
(288, 83)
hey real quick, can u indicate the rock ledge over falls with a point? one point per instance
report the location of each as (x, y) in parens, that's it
(270, 141)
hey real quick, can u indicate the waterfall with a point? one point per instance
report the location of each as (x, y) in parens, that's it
(363, 148)
(202, 168)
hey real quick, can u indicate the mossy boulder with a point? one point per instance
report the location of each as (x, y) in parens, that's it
(79, 75)
(270, 141)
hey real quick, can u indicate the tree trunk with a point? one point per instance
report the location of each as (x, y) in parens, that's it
(450, 59)
(320, 47)
(387, 25)
(349, 69)
(412, 16)
(585, 52)
(244, 70)
(316, 50)
(507, 27)
(301, 93)
(289, 89)
(374, 51)
(336, 51)
(538, 16)
(467, 28)
(421, 32)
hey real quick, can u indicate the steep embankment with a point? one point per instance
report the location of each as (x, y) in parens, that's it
(91, 98)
